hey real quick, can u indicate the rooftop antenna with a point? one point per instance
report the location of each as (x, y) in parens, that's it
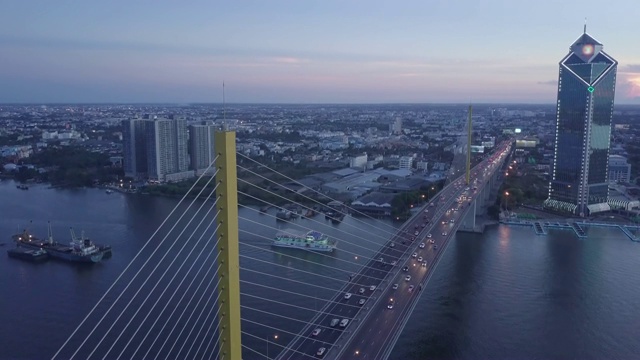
(585, 25)
(224, 111)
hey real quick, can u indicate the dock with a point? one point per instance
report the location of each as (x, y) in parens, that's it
(577, 226)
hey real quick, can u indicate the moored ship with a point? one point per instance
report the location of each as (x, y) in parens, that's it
(312, 240)
(79, 250)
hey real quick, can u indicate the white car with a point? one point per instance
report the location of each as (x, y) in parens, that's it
(407, 278)
(395, 286)
(422, 246)
(429, 236)
(420, 259)
(316, 332)
(361, 291)
(344, 322)
(424, 264)
(321, 351)
(372, 287)
(361, 302)
(393, 263)
(444, 233)
(390, 305)
(411, 287)
(415, 255)
(347, 296)
(416, 233)
(432, 241)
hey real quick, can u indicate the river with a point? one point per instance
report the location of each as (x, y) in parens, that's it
(505, 294)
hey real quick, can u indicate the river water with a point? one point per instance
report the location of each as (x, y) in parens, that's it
(506, 294)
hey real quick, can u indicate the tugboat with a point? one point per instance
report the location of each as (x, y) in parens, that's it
(104, 249)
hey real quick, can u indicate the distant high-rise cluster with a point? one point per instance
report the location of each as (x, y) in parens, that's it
(160, 149)
(586, 88)
(395, 128)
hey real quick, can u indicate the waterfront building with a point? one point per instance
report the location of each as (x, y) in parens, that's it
(619, 169)
(134, 148)
(167, 149)
(201, 147)
(584, 109)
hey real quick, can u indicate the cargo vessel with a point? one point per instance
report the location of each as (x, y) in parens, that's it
(79, 249)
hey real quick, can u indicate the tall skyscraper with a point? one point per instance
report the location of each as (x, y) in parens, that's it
(586, 88)
(167, 149)
(201, 148)
(134, 148)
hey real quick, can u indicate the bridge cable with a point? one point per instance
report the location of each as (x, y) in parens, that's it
(212, 263)
(318, 222)
(304, 206)
(305, 186)
(171, 280)
(155, 268)
(189, 318)
(166, 270)
(126, 268)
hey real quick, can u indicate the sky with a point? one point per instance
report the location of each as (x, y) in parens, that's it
(305, 51)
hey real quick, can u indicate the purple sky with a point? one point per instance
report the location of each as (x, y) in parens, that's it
(305, 51)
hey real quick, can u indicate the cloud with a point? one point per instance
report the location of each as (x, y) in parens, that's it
(548, 82)
(632, 68)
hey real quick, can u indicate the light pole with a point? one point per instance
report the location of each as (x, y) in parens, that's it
(506, 201)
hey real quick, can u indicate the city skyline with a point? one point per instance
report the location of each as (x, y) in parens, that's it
(291, 52)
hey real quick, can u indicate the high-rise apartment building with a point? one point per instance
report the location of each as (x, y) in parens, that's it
(134, 148)
(395, 128)
(586, 88)
(201, 147)
(167, 149)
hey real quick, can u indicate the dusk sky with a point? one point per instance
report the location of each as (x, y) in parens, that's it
(304, 51)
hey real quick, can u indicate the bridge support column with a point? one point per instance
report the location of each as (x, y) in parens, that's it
(469, 220)
(228, 257)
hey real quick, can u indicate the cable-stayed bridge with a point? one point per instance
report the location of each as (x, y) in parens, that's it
(208, 284)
